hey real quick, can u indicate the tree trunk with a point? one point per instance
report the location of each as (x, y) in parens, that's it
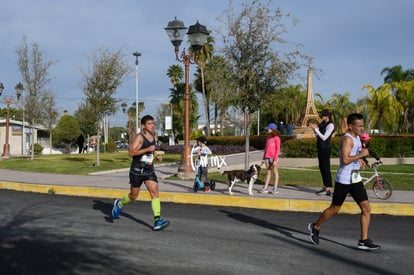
(205, 103)
(32, 145)
(246, 134)
(98, 141)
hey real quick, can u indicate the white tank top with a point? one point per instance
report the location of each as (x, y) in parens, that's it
(349, 173)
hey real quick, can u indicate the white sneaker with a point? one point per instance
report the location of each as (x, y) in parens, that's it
(274, 191)
(264, 190)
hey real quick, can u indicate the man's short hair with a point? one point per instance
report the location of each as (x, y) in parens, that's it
(352, 117)
(145, 118)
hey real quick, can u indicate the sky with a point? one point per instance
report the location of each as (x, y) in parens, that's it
(350, 42)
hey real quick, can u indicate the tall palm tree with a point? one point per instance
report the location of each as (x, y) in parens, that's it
(393, 74)
(177, 100)
(220, 85)
(340, 106)
(406, 98)
(204, 56)
(400, 80)
(384, 108)
(176, 74)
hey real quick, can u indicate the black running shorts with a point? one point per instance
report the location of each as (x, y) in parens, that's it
(357, 191)
(138, 176)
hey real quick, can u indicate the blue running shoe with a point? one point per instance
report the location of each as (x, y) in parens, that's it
(160, 224)
(116, 210)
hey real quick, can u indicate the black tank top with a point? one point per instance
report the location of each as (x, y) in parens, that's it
(144, 160)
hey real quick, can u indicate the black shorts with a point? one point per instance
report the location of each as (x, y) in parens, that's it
(138, 176)
(357, 191)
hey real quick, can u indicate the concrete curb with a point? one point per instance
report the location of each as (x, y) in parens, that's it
(295, 205)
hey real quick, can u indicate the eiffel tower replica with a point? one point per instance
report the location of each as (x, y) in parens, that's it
(311, 115)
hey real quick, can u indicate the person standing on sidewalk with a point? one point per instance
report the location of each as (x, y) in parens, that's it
(271, 157)
(142, 171)
(349, 180)
(323, 133)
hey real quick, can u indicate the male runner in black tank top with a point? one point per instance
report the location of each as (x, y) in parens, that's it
(142, 171)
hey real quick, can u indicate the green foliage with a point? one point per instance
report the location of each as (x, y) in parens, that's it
(87, 121)
(196, 134)
(67, 130)
(110, 146)
(305, 147)
(393, 146)
(116, 132)
(38, 149)
(73, 164)
(258, 67)
(108, 69)
(383, 146)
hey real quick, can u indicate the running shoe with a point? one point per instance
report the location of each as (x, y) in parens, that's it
(320, 192)
(313, 233)
(116, 210)
(264, 190)
(160, 224)
(367, 245)
(274, 191)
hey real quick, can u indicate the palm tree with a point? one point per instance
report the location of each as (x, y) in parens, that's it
(384, 108)
(396, 74)
(177, 100)
(406, 98)
(175, 73)
(400, 80)
(204, 56)
(221, 87)
(340, 106)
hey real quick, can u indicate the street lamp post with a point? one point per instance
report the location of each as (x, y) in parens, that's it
(9, 101)
(137, 129)
(124, 107)
(198, 37)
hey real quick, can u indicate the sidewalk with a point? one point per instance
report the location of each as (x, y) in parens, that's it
(114, 184)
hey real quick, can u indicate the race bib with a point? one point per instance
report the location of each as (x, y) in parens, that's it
(356, 176)
(147, 158)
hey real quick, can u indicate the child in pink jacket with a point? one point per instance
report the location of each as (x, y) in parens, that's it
(271, 157)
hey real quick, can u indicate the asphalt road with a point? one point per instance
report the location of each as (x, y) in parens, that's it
(47, 234)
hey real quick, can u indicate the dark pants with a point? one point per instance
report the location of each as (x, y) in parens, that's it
(324, 158)
(203, 174)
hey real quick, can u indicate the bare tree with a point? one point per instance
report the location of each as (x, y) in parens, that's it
(39, 99)
(51, 116)
(258, 68)
(107, 70)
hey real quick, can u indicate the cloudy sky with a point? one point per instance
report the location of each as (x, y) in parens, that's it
(351, 41)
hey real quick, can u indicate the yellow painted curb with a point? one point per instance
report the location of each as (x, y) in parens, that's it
(296, 205)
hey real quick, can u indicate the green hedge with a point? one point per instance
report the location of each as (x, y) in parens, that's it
(258, 142)
(384, 146)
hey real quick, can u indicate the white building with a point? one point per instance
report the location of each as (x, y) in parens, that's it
(20, 143)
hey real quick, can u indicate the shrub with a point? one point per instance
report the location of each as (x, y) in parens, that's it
(38, 149)
(111, 146)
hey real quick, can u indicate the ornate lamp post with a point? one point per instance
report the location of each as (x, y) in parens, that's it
(9, 101)
(198, 37)
(137, 128)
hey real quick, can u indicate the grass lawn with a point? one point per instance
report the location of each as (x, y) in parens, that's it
(400, 176)
(74, 164)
